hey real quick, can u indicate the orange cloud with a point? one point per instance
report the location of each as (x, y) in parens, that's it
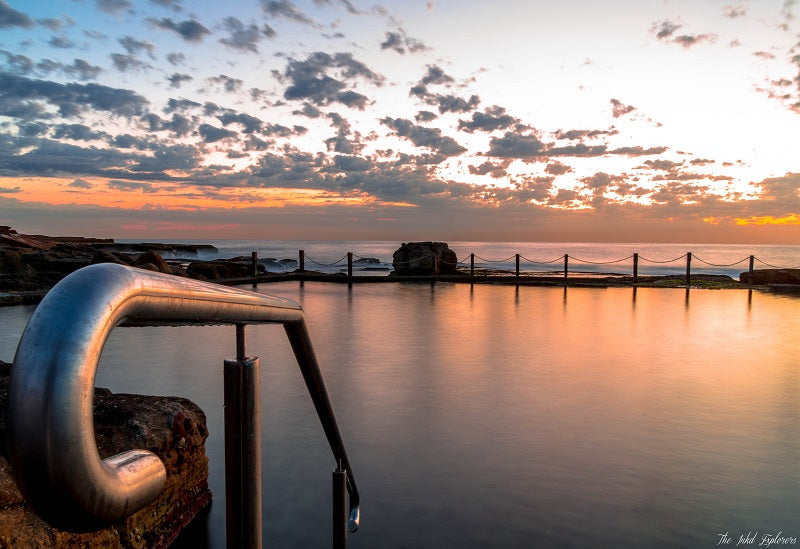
(792, 219)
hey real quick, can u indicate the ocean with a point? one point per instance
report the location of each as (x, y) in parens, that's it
(501, 416)
(535, 257)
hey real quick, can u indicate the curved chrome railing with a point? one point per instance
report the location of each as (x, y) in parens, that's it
(50, 424)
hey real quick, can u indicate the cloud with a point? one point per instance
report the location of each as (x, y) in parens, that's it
(424, 137)
(131, 186)
(210, 134)
(557, 168)
(191, 30)
(286, 9)
(511, 145)
(81, 184)
(489, 168)
(243, 37)
(494, 118)
(113, 6)
(574, 135)
(400, 42)
(73, 98)
(446, 102)
(732, 12)
(310, 81)
(134, 46)
(176, 58)
(9, 17)
(62, 42)
(174, 5)
(664, 29)
(619, 109)
(125, 63)
(176, 79)
(77, 132)
(689, 40)
(638, 151)
(10, 190)
(16, 62)
(230, 85)
(664, 165)
(81, 69)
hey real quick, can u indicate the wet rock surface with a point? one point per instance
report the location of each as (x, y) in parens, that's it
(424, 258)
(762, 277)
(171, 427)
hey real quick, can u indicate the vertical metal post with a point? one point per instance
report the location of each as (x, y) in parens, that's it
(254, 260)
(517, 262)
(566, 265)
(242, 449)
(635, 268)
(750, 270)
(339, 507)
(688, 268)
(472, 264)
(302, 265)
(350, 264)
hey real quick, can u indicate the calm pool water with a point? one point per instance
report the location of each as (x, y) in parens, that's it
(490, 416)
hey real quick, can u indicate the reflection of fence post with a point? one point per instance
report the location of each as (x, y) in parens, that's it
(350, 264)
(302, 260)
(688, 268)
(566, 265)
(635, 268)
(517, 270)
(472, 264)
(750, 270)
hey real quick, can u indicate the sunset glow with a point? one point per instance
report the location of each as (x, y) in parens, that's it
(472, 120)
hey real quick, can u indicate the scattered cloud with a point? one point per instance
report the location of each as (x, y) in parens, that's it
(9, 17)
(191, 30)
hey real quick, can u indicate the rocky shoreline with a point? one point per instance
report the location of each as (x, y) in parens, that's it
(173, 428)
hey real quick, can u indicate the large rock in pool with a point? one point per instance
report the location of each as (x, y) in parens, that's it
(424, 258)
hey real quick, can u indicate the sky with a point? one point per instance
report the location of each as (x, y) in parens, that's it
(509, 120)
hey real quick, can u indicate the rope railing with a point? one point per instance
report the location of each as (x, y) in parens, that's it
(466, 265)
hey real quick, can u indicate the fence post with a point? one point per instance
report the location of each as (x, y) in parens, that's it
(517, 261)
(242, 448)
(566, 265)
(750, 270)
(472, 264)
(350, 264)
(688, 268)
(339, 507)
(254, 259)
(302, 261)
(635, 268)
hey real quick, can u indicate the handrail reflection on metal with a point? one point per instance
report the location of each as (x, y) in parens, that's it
(50, 423)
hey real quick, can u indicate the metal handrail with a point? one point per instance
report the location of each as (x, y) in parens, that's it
(50, 423)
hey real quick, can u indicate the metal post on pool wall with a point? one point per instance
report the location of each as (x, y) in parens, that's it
(635, 268)
(254, 259)
(242, 448)
(302, 258)
(517, 261)
(339, 507)
(688, 268)
(350, 264)
(750, 270)
(472, 264)
(566, 265)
